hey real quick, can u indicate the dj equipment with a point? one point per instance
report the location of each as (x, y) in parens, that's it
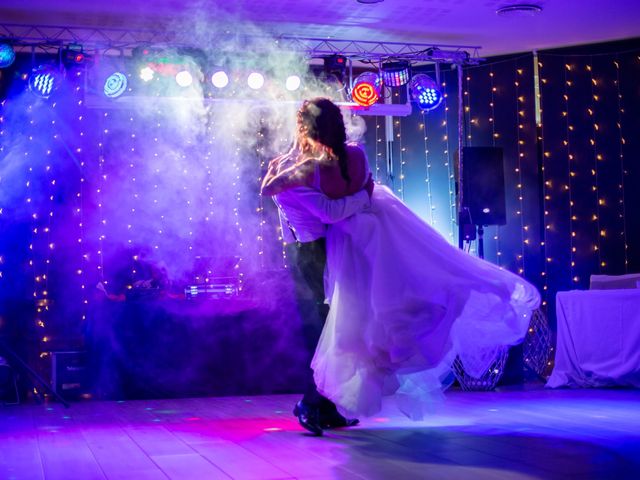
(221, 287)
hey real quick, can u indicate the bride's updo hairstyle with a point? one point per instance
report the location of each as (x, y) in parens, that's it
(320, 120)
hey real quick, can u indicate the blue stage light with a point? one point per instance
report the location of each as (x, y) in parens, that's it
(115, 85)
(425, 92)
(7, 55)
(44, 80)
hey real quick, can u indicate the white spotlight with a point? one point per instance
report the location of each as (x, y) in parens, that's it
(255, 80)
(292, 83)
(220, 79)
(146, 74)
(184, 78)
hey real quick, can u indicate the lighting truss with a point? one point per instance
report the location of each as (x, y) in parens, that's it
(96, 39)
(379, 51)
(113, 40)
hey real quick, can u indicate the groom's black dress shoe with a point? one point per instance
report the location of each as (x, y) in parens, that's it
(335, 420)
(309, 417)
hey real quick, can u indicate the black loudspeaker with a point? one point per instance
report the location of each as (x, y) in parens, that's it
(69, 373)
(483, 184)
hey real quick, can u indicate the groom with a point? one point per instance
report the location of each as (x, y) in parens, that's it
(304, 215)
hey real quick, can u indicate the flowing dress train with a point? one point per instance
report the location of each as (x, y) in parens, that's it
(403, 303)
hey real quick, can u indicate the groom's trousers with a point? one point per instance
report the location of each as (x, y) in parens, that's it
(308, 261)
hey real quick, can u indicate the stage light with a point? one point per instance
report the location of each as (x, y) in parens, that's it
(292, 83)
(366, 89)
(255, 80)
(395, 74)
(44, 80)
(220, 79)
(184, 78)
(335, 65)
(425, 92)
(73, 56)
(147, 74)
(7, 55)
(115, 85)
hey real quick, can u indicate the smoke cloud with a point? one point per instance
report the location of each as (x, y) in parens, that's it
(159, 187)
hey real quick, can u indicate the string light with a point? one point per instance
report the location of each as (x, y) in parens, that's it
(453, 213)
(378, 151)
(260, 155)
(520, 155)
(494, 136)
(398, 135)
(100, 199)
(466, 101)
(82, 261)
(236, 211)
(2, 136)
(427, 162)
(570, 167)
(596, 160)
(39, 276)
(621, 142)
(50, 182)
(546, 197)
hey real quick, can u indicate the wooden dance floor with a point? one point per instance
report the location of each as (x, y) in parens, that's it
(524, 434)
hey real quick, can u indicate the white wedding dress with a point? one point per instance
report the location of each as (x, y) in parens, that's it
(403, 303)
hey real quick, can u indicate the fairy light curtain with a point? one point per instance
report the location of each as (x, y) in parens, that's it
(79, 173)
(423, 156)
(500, 112)
(570, 181)
(120, 197)
(591, 144)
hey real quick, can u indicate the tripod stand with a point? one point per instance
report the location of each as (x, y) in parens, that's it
(15, 359)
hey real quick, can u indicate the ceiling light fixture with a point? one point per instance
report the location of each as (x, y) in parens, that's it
(519, 10)
(370, 1)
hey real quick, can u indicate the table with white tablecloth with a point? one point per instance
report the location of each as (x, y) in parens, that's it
(598, 342)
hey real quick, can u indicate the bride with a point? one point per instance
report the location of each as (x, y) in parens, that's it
(403, 301)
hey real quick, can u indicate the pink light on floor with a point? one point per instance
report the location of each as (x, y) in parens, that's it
(381, 419)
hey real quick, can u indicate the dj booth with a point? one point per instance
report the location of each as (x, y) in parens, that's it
(205, 343)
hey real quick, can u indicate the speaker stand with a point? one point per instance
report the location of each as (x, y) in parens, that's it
(5, 349)
(480, 241)
(466, 228)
